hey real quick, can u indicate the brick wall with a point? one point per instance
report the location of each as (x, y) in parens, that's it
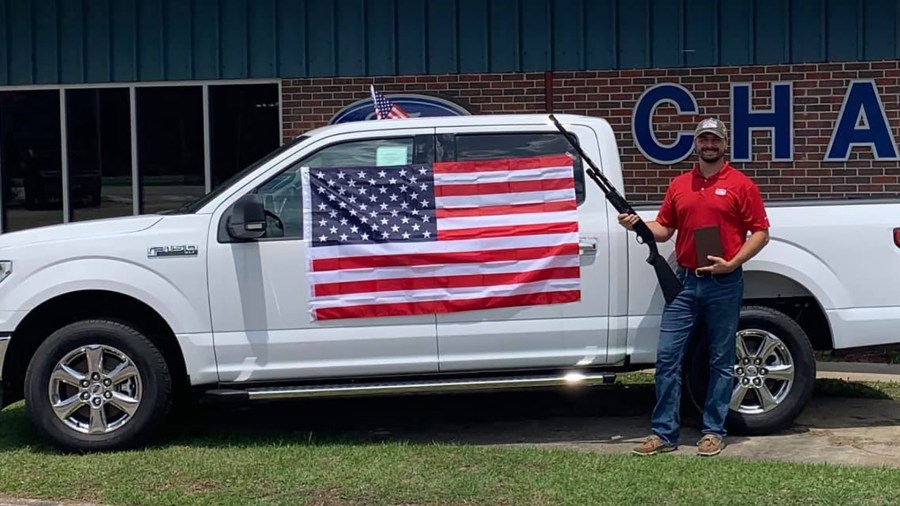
(818, 91)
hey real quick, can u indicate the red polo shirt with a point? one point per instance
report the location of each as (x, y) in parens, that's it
(728, 199)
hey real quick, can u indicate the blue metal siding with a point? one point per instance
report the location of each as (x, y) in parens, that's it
(263, 56)
(441, 37)
(568, 34)
(78, 41)
(411, 37)
(700, 43)
(473, 42)
(633, 29)
(351, 25)
(880, 25)
(535, 29)
(381, 45)
(601, 47)
(807, 30)
(504, 36)
(291, 37)
(46, 42)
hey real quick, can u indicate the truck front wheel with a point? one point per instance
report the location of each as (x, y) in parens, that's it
(774, 372)
(97, 385)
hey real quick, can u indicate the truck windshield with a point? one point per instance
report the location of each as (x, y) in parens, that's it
(194, 205)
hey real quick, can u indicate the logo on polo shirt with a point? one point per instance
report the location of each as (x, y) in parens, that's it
(720, 192)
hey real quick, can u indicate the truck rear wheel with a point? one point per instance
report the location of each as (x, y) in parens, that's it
(775, 372)
(97, 385)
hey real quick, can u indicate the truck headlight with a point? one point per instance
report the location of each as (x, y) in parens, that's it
(5, 269)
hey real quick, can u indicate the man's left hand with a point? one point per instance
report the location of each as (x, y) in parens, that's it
(719, 266)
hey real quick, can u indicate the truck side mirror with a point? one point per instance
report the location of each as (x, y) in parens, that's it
(248, 218)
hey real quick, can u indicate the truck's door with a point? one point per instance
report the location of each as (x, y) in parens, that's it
(546, 335)
(259, 290)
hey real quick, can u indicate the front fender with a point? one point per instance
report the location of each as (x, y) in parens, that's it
(180, 299)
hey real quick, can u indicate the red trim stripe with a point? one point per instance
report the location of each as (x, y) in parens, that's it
(394, 285)
(536, 162)
(498, 255)
(447, 306)
(541, 207)
(506, 231)
(537, 185)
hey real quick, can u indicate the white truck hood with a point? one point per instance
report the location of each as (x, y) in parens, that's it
(94, 228)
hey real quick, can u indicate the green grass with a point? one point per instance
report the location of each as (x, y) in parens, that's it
(240, 462)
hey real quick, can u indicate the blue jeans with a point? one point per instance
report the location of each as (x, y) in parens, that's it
(711, 303)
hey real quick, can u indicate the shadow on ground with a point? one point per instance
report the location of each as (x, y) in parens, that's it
(601, 415)
(615, 416)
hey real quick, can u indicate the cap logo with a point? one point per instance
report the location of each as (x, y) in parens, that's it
(709, 123)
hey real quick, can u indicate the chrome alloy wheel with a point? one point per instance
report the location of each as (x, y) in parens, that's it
(763, 372)
(95, 389)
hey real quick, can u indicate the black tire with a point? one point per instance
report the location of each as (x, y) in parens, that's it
(156, 386)
(801, 354)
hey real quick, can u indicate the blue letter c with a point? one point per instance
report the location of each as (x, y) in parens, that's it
(642, 123)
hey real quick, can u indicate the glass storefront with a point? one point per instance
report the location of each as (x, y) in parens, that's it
(170, 146)
(108, 139)
(244, 126)
(98, 126)
(30, 161)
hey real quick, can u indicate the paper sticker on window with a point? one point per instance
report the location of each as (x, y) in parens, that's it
(391, 155)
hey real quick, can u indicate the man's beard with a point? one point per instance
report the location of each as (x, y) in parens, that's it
(712, 156)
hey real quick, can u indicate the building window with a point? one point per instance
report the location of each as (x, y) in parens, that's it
(243, 126)
(152, 135)
(98, 135)
(170, 146)
(30, 159)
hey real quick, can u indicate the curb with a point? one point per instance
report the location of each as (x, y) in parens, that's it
(859, 367)
(858, 371)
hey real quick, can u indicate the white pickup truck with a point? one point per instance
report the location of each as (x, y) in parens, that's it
(104, 323)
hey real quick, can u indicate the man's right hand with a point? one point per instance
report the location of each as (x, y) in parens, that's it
(628, 220)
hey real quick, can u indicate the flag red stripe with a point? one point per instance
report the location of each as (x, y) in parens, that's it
(427, 283)
(369, 262)
(542, 207)
(458, 190)
(506, 231)
(447, 306)
(537, 162)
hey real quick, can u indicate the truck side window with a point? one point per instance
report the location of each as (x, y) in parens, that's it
(282, 195)
(515, 145)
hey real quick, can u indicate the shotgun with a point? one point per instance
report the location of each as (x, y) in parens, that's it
(668, 281)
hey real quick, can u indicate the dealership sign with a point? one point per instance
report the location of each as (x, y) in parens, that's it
(415, 104)
(861, 122)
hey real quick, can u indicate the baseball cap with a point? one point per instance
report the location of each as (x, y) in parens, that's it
(713, 126)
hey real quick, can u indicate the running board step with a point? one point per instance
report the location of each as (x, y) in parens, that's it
(421, 386)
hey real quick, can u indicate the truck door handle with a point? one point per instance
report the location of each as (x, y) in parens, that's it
(587, 245)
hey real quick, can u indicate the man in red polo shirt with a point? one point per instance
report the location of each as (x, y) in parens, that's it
(713, 207)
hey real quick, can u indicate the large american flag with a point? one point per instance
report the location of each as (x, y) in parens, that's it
(423, 238)
(384, 108)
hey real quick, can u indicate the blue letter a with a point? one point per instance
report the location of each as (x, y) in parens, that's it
(861, 104)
